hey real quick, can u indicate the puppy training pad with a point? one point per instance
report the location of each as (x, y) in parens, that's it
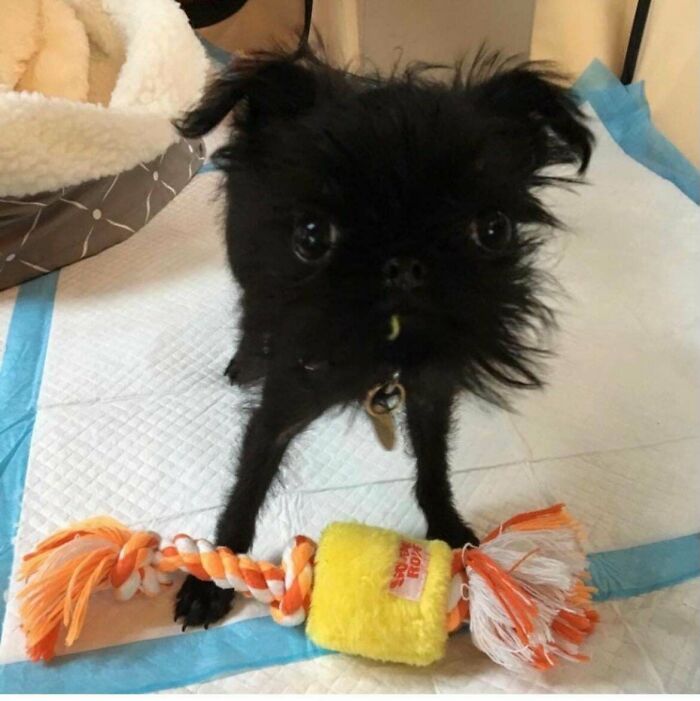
(134, 419)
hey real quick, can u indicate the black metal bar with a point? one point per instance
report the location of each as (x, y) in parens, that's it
(204, 13)
(304, 38)
(635, 41)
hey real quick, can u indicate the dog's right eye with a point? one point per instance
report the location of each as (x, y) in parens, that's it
(492, 233)
(313, 239)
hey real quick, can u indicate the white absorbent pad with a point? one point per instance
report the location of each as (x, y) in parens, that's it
(134, 419)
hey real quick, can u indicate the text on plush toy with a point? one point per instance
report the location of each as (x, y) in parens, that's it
(410, 571)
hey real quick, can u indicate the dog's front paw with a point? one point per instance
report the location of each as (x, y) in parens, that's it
(201, 603)
(455, 533)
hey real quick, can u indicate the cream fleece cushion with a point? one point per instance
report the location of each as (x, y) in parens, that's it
(52, 142)
(19, 39)
(59, 67)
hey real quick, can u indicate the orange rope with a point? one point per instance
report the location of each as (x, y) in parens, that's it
(68, 567)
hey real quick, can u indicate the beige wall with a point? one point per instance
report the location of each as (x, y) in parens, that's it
(428, 30)
(573, 32)
(338, 23)
(669, 64)
(441, 31)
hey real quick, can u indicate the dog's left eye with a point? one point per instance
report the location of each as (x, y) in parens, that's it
(313, 239)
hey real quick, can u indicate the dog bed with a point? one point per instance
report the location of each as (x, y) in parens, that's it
(113, 369)
(88, 90)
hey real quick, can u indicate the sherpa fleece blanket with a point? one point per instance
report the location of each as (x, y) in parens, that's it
(88, 88)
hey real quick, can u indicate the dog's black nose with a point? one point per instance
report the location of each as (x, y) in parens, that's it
(404, 273)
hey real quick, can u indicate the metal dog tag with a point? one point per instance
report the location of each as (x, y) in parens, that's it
(381, 403)
(385, 430)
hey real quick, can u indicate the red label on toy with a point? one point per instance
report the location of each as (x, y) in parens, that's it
(410, 571)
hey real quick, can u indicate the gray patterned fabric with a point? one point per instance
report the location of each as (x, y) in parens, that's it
(43, 232)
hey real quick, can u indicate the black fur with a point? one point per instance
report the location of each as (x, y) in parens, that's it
(409, 169)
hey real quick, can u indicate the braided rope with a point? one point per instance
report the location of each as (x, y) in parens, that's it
(134, 569)
(144, 564)
(457, 601)
(297, 562)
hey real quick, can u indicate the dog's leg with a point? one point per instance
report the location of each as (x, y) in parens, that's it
(428, 413)
(282, 414)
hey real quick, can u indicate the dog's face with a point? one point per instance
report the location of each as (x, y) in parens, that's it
(395, 219)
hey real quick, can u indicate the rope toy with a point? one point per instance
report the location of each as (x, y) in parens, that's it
(375, 593)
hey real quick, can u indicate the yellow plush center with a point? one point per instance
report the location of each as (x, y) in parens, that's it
(380, 595)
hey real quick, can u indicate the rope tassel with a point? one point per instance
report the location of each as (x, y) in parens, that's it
(529, 603)
(523, 591)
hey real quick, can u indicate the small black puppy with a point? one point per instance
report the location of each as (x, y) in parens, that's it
(382, 231)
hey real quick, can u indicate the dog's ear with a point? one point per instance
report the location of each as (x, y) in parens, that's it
(257, 89)
(534, 96)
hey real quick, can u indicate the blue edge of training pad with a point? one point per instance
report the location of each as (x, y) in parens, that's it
(624, 111)
(163, 663)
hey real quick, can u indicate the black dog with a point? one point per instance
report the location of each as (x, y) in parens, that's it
(381, 230)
